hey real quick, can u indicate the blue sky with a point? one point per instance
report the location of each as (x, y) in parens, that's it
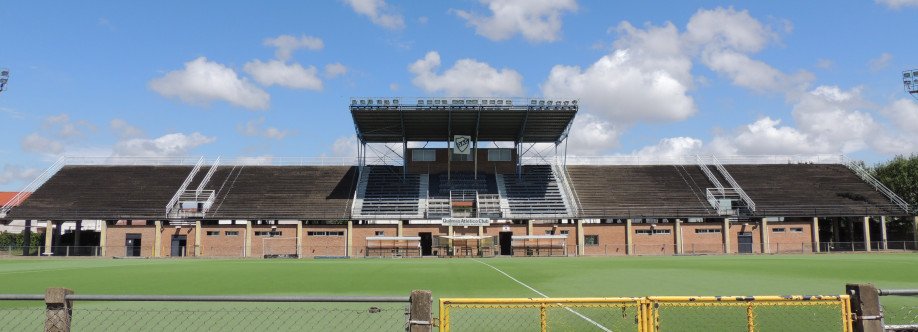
(265, 80)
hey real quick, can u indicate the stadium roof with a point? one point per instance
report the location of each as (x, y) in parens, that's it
(487, 119)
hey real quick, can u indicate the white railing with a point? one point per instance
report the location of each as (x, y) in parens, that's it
(130, 161)
(707, 172)
(29, 188)
(879, 186)
(692, 159)
(206, 179)
(456, 101)
(566, 187)
(739, 190)
(181, 190)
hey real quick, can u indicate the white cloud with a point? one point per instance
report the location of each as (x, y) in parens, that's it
(379, 13)
(286, 44)
(124, 129)
(880, 62)
(276, 72)
(898, 4)
(345, 146)
(467, 77)
(904, 114)
(592, 136)
(13, 173)
(624, 87)
(203, 81)
(672, 147)
(256, 127)
(169, 145)
(828, 119)
(535, 20)
(824, 64)
(393, 87)
(767, 136)
(333, 70)
(724, 39)
(37, 143)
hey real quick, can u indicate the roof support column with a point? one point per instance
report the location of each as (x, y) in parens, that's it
(915, 229)
(400, 229)
(349, 242)
(157, 238)
(449, 149)
(76, 234)
(763, 235)
(247, 252)
(884, 244)
(103, 239)
(299, 239)
(27, 237)
(49, 237)
(628, 238)
(580, 237)
(726, 233)
(867, 234)
(475, 146)
(815, 231)
(197, 238)
(677, 233)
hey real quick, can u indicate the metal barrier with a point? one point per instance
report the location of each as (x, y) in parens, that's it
(64, 311)
(897, 312)
(649, 314)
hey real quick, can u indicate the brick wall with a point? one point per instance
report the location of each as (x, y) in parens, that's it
(611, 239)
(653, 244)
(694, 242)
(324, 245)
(222, 245)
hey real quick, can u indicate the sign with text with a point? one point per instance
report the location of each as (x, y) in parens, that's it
(462, 144)
(466, 221)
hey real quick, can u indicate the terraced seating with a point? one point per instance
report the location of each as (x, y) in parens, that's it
(388, 194)
(647, 190)
(103, 192)
(281, 192)
(534, 193)
(808, 189)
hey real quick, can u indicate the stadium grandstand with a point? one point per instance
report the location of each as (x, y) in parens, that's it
(457, 177)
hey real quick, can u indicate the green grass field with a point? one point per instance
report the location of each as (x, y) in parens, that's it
(556, 277)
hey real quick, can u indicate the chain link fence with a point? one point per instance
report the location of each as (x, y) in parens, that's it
(60, 310)
(899, 309)
(764, 313)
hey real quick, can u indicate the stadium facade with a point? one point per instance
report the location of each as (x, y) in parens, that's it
(459, 177)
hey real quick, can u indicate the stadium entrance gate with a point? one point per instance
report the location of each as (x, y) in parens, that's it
(744, 242)
(506, 245)
(426, 243)
(132, 245)
(179, 242)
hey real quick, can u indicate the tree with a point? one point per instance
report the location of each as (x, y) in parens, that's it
(901, 176)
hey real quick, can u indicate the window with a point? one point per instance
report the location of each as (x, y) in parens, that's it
(777, 230)
(652, 231)
(423, 155)
(268, 233)
(549, 232)
(380, 233)
(231, 233)
(707, 231)
(796, 230)
(213, 233)
(565, 232)
(324, 233)
(591, 240)
(499, 154)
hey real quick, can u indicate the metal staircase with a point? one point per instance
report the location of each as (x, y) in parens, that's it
(879, 186)
(724, 199)
(29, 188)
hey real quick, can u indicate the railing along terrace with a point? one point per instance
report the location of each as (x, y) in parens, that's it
(689, 159)
(412, 103)
(283, 212)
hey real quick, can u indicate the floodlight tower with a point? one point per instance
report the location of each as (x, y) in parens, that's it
(910, 81)
(4, 77)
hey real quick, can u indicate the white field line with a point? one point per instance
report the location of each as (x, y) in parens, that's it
(545, 296)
